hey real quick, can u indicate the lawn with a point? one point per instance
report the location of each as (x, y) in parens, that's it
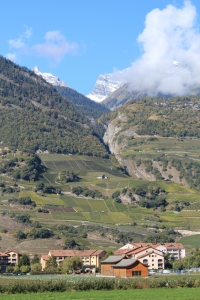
(150, 294)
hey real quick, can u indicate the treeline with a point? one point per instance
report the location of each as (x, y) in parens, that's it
(149, 196)
(21, 168)
(83, 191)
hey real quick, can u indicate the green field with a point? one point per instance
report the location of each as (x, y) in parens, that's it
(150, 294)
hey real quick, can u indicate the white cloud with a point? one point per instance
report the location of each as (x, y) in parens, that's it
(28, 33)
(17, 43)
(169, 34)
(55, 46)
(11, 56)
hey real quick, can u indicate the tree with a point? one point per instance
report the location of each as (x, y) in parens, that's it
(20, 235)
(36, 267)
(16, 269)
(51, 263)
(35, 259)
(25, 269)
(108, 253)
(9, 269)
(71, 264)
(70, 243)
(24, 260)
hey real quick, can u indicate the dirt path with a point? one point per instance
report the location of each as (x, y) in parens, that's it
(188, 232)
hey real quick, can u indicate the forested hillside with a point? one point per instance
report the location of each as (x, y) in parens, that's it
(33, 115)
(83, 104)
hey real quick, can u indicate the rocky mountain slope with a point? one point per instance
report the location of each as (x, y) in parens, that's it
(120, 96)
(157, 139)
(104, 87)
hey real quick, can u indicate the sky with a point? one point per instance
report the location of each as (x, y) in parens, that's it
(77, 40)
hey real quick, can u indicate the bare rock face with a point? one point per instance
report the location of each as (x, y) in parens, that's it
(104, 87)
(55, 81)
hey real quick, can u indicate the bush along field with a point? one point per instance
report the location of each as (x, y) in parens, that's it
(46, 195)
(183, 286)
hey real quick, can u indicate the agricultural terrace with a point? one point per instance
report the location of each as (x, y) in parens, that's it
(68, 208)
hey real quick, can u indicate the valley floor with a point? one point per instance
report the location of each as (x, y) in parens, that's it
(154, 294)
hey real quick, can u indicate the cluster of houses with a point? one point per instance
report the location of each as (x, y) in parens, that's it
(133, 259)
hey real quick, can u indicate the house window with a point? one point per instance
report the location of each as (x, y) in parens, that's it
(152, 259)
(145, 261)
(136, 273)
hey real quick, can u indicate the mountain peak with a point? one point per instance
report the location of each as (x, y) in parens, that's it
(104, 87)
(50, 78)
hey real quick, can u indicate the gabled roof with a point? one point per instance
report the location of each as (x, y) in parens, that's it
(4, 254)
(167, 246)
(69, 253)
(147, 253)
(113, 259)
(124, 263)
(84, 253)
(98, 252)
(148, 249)
(62, 253)
(138, 250)
(45, 257)
(123, 251)
(8, 251)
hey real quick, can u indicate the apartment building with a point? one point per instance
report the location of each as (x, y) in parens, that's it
(176, 250)
(90, 258)
(13, 257)
(147, 255)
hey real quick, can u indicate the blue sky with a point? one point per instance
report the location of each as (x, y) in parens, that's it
(77, 40)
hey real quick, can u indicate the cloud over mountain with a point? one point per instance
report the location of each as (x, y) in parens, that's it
(169, 35)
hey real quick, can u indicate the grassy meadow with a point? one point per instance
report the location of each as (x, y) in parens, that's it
(150, 294)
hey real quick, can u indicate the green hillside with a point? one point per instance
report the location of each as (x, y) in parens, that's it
(33, 115)
(158, 138)
(83, 104)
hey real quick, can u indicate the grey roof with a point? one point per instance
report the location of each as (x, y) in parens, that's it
(126, 263)
(113, 259)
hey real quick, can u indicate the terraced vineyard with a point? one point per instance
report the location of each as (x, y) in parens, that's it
(67, 208)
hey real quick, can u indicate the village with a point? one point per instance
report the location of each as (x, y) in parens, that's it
(131, 260)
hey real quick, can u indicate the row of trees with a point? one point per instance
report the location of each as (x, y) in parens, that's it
(26, 265)
(190, 261)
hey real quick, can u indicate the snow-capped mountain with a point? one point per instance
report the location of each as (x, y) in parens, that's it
(104, 87)
(50, 78)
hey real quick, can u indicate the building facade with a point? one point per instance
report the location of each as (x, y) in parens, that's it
(121, 266)
(90, 258)
(13, 257)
